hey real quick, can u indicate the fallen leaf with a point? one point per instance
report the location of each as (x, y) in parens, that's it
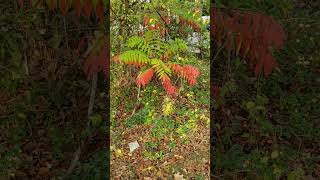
(148, 168)
(119, 153)
(159, 174)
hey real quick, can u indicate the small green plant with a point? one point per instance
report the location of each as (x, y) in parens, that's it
(138, 118)
(159, 155)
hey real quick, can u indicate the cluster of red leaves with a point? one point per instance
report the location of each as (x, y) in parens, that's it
(21, 3)
(87, 6)
(98, 61)
(166, 19)
(188, 72)
(170, 89)
(188, 22)
(145, 78)
(157, 26)
(251, 33)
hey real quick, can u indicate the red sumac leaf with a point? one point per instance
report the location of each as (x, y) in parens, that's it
(64, 7)
(21, 3)
(272, 63)
(100, 11)
(77, 6)
(146, 20)
(170, 89)
(87, 8)
(188, 72)
(97, 62)
(256, 33)
(145, 77)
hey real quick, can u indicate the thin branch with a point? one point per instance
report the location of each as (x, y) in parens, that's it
(218, 52)
(93, 93)
(65, 30)
(135, 108)
(77, 154)
(25, 63)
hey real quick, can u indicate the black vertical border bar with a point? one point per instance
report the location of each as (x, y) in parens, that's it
(107, 87)
(212, 75)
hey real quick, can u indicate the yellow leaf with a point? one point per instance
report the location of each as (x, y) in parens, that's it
(118, 153)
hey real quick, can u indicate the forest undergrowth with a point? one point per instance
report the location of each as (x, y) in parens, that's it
(267, 127)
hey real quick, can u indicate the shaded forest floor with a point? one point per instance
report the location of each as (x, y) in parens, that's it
(42, 125)
(44, 97)
(173, 133)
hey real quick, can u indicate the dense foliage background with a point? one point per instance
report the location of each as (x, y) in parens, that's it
(45, 94)
(268, 127)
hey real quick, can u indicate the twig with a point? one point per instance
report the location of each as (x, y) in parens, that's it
(176, 80)
(218, 52)
(93, 93)
(25, 63)
(65, 30)
(75, 159)
(83, 142)
(135, 107)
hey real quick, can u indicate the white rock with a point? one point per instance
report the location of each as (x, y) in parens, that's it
(133, 146)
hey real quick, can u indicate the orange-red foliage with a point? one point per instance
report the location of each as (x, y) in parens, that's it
(87, 8)
(191, 73)
(146, 20)
(252, 34)
(64, 7)
(145, 78)
(100, 11)
(77, 6)
(162, 30)
(170, 89)
(188, 72)
(187, 22)
(97, 62)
